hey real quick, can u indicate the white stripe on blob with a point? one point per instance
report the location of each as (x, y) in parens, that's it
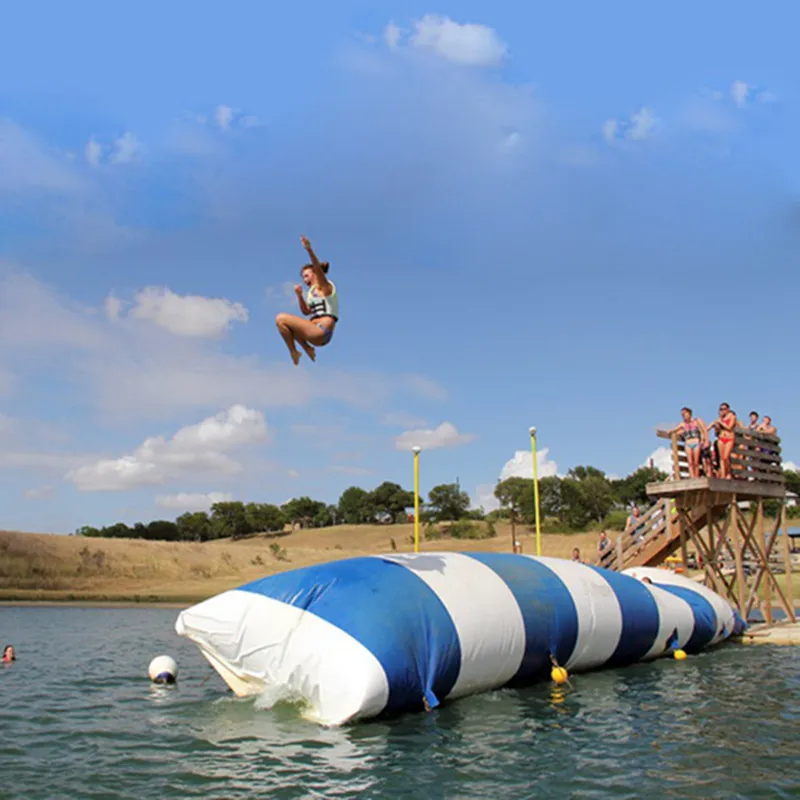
(673, 613)
(262, 646)
(722, 608)
(485, 613)
(599, 612)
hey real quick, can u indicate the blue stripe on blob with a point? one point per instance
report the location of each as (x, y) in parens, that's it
(390, 611)
(705, 618)
(548, 612)
(640, 617)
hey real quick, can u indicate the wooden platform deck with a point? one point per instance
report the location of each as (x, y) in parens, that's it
(781, 634)
(721, 490)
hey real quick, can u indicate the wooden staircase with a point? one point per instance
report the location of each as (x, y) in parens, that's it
(656, 538)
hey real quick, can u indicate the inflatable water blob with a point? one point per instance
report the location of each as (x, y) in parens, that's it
(386, 634)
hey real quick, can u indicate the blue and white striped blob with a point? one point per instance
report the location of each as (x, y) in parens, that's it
(385, 634)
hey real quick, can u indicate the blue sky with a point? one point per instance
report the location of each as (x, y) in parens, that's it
(574, 216)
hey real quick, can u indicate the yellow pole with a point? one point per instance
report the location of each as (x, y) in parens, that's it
(416, 498)
(536, 493)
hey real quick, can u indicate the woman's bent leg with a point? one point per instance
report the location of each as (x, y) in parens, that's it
(295, 329)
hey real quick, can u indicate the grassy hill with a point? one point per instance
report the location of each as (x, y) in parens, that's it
(42, 567)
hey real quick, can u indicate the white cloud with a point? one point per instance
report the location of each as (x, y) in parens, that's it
(790, 465)
(661, 458)
(38, 493)
(446, 435)
(93, 152)
(199, 448)
(112, 306)
(391, 34)
(641, 125)
(740, 91)
(132, 371)
(484, 498)
(192, 501)
(520, 465)
(468, 44)
(610, 130)
(187, 315)
(126, 148)
(223, 115)
(27, 165)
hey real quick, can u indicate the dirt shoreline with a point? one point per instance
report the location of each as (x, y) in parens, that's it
(51, 569)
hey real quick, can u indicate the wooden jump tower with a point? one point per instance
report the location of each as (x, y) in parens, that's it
(724, 521)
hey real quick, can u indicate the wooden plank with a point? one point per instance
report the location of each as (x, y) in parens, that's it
(765, 569)
(676, 464)
(787, 561)
(722, 486)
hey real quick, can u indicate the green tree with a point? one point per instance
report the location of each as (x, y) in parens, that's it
(302, 510)
(448, 502)
(633, 488)
(117, 531)
(586, 497)
(264, 517)
(512, 494)
(229, 519)
(162, 530)
(792, 480)
(325, 516)
(194, 526)
(391, 499)
(88, 530)
(356, 506)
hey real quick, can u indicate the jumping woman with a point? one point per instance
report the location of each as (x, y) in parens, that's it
(321, 305)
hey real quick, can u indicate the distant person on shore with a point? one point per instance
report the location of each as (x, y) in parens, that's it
(602, 542)
(694, 434)
(321, 305)
(576, 555)
(8, 654)
(727, 424)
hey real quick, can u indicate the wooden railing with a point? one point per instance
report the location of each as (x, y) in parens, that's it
(756, 456)
(659, 522)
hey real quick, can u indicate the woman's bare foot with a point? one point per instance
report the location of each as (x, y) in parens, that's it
(310, 351)
(295, 356)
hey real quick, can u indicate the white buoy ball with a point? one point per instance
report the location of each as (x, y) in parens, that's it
(163, 669)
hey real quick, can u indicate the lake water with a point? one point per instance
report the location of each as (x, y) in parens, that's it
(80, 719)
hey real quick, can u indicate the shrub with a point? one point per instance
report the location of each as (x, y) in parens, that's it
(470, 529)
(278, 551)
(432, 532)
(615, 520)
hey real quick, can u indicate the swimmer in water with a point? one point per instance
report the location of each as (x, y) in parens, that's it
(8, 654)
(321, 305)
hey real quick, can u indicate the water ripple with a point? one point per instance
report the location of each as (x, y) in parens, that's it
(80, 720)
